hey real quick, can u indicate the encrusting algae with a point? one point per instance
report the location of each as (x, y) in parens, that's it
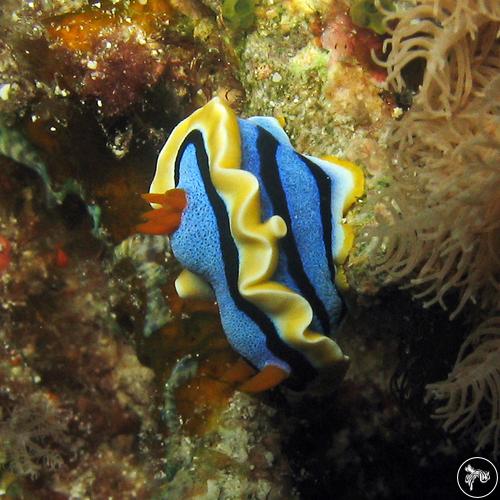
(115, 63)
(72, 391)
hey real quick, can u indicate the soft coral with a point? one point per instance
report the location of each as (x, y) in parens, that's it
(30, 436)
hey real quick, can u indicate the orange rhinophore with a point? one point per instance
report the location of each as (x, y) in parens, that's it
(164, 220)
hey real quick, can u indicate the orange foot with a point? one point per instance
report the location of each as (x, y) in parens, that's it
(239, 372)
(266, 379)
(251, 381)
(164, 220)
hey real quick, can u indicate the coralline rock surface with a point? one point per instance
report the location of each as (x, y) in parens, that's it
(76, 403)
(129, 68)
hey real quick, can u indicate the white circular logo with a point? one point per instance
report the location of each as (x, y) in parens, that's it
(477, 477)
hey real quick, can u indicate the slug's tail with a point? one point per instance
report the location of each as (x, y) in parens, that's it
(252, 381)
(269, 377)
(166, 217)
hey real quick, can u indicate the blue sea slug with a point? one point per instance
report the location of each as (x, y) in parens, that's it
(258, 226)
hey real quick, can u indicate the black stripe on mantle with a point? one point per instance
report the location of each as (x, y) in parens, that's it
(302, 370)
(267, 147)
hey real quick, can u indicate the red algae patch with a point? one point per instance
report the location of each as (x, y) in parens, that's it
(349, 43)
(5, 253)
(106, 47)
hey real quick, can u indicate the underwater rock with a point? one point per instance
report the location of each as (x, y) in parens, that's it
(350, 43)
(184, 370)
(149, 255)
(287, 74)
(368, 14)
(107, 55)
(60, 345)
(14, 145)
(240, 14)
(241, 456)
(114, 61)
(5, 253)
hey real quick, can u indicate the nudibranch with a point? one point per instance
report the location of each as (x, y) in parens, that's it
(260, 227)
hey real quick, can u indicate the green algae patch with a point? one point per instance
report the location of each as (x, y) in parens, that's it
(240, 14)
(366, 14)
(310, 58)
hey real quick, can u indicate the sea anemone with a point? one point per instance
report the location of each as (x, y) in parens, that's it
(471, 394)
(457, 40)
(438, 228)
(443, 204)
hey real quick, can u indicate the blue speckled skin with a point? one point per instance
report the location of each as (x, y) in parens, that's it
(267, 154)
(196, 245)
(303, 200)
